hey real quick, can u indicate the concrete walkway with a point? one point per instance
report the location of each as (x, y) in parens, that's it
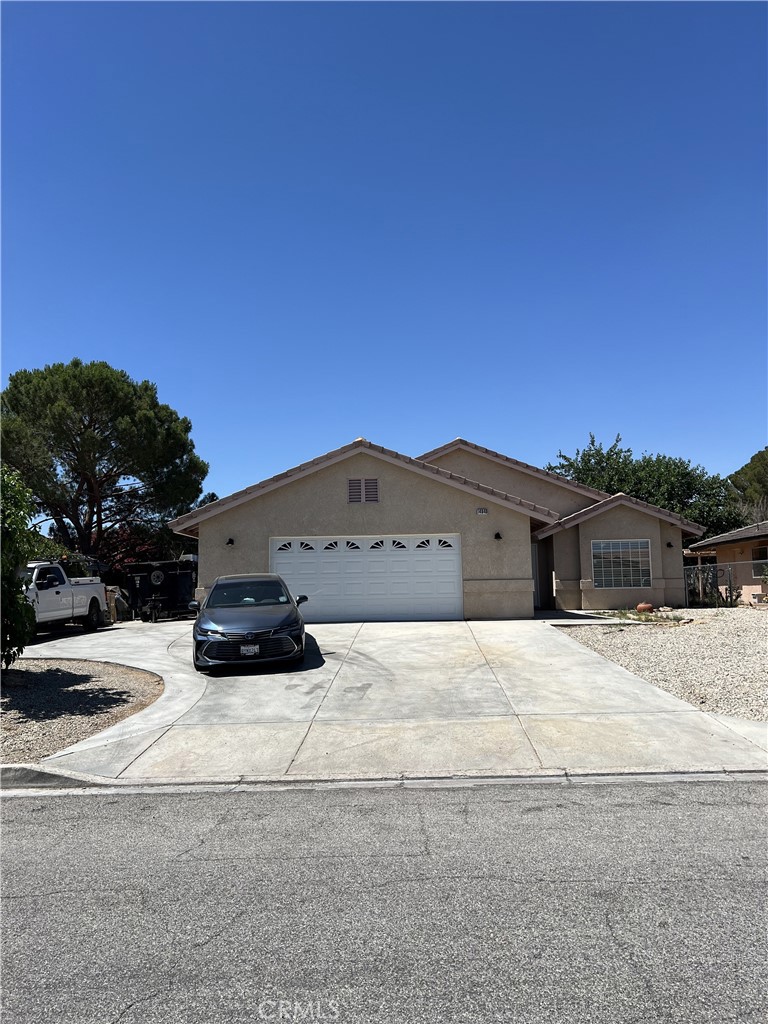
(399, 700)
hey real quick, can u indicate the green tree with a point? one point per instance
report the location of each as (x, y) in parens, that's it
(751, 483)
(149, 542)
(606, 469)
(98, 450)
(662, 480)
(18, 546)
(690, 491)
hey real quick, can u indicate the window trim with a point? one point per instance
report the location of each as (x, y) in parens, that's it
(624, 568)
(759, 563)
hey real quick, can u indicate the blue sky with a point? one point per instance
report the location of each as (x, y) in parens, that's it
(516, 223)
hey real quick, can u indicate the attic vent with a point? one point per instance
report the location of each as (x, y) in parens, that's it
(372, 490)
(354, 491)
(362, 490)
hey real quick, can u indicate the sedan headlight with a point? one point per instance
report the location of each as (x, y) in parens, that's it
(293, 628)
(209, 632)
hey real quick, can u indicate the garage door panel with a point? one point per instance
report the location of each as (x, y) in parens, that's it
(364, 578)
(400, 588)
(446, 588)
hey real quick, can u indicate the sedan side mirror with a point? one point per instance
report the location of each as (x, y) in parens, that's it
(301, 599)
(194, 606)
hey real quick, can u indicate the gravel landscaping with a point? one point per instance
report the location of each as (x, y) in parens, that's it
(48, 704)
(715, 658)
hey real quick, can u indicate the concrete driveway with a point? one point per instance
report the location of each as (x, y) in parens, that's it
(399, 700)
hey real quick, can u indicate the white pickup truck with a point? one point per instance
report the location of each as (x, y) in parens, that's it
(58, 598)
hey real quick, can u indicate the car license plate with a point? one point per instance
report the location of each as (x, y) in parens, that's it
(249, 649)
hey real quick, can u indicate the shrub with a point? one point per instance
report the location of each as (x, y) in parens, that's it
(18, 542)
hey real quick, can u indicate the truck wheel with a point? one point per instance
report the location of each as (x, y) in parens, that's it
(92, 621)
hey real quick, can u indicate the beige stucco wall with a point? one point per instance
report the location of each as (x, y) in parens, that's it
(573, 550)
(739, 557)
(497, 574)
(507, 478)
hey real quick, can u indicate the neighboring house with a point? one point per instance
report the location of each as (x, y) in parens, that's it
(461, 532)
(745, 551)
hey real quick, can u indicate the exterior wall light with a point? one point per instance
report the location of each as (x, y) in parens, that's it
(670, 544)
(229, 542)
(497, 536)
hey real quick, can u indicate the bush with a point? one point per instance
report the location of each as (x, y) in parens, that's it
(18, 542)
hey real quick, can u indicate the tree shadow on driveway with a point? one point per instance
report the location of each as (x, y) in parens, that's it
(50, 693)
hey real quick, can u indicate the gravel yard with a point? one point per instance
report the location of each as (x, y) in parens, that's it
(48, 705)
(717, 662)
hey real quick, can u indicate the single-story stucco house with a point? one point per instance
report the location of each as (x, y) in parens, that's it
(745, 552)
(461, 532)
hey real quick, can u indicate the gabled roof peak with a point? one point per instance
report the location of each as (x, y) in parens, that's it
(686, 525)
(524, 467)
(190, 520)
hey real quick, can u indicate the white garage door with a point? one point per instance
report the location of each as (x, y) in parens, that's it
(384, 579)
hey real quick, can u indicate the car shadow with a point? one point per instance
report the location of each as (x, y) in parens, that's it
(58, 632)
(313, 659)
(41, 696)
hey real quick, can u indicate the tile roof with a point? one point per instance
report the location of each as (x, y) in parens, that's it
(754, 532)
(686, 525)
(187, 524)
(524, 467)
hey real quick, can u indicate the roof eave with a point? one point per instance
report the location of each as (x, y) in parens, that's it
(688, 527)
(523, 467)
(183, 524)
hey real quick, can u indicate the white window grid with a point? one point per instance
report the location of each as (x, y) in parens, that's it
(621, 564)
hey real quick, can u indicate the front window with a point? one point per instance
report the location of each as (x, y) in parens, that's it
(244, 593)
(759, 562)
(621, 563)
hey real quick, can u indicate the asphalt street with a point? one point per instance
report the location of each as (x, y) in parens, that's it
(529, 902)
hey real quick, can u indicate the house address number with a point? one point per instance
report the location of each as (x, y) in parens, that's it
(482, 511)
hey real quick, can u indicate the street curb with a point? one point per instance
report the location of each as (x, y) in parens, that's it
(29, 777)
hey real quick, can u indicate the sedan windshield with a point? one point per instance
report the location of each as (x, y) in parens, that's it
(247, 593)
